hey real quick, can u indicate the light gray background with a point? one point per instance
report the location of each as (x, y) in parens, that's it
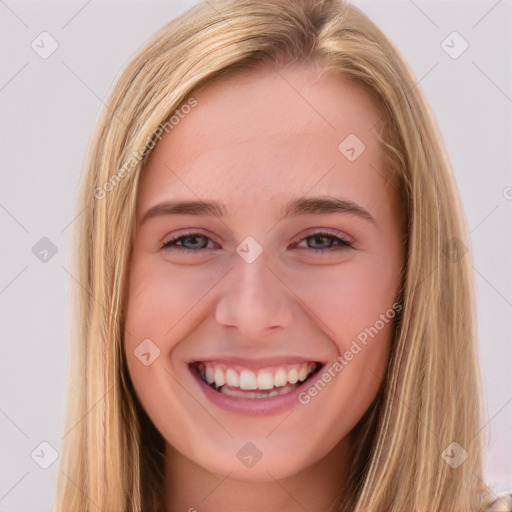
(48, 107)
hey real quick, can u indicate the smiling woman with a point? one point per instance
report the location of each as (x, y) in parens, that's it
(243, 338)
(276, 310)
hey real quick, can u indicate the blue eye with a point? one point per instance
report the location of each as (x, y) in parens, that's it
(334, 243)
(186, 238)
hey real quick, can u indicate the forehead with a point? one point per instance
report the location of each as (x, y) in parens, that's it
(267, 134)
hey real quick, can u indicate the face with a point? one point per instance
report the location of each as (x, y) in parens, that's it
(259, 325)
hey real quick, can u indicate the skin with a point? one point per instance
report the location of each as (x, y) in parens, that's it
(253, 142)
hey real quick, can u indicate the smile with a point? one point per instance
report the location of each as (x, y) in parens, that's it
(249, 383)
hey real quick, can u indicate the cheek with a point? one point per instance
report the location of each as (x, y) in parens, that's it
(349, 298)
(161, 296)
(160, 308)
(353, 305)
(157, 309)
(163, 305)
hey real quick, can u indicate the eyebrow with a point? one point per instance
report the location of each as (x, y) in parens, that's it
(294, 208)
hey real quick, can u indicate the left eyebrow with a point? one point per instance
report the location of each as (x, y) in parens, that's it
(325, 204)
(299, 206)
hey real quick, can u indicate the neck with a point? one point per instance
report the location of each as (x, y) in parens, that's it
(190, 487)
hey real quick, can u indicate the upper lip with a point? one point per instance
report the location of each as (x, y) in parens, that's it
(260, 363)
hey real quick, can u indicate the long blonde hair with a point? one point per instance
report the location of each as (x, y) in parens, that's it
(112, 455)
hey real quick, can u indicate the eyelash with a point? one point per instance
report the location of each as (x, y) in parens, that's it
(343, 243)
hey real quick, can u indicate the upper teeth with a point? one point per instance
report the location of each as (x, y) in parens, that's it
(263, 378)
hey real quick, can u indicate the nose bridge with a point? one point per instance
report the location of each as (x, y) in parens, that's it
(254, 300)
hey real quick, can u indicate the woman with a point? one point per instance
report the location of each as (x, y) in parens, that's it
(256, 370)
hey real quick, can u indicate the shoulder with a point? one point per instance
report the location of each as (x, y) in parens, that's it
(501, 503)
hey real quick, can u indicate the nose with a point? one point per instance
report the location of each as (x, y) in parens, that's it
(255, 300)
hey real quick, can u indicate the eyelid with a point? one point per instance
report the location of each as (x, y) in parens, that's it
(188, 232)
(310, 232)
(340, 237)
(184, 234)
(326, 231)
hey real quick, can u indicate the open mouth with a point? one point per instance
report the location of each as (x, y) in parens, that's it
(241, 382)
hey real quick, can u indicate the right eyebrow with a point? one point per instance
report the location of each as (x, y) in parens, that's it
(212, 208)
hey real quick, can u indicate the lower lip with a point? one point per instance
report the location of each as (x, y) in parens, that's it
(251, 406)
